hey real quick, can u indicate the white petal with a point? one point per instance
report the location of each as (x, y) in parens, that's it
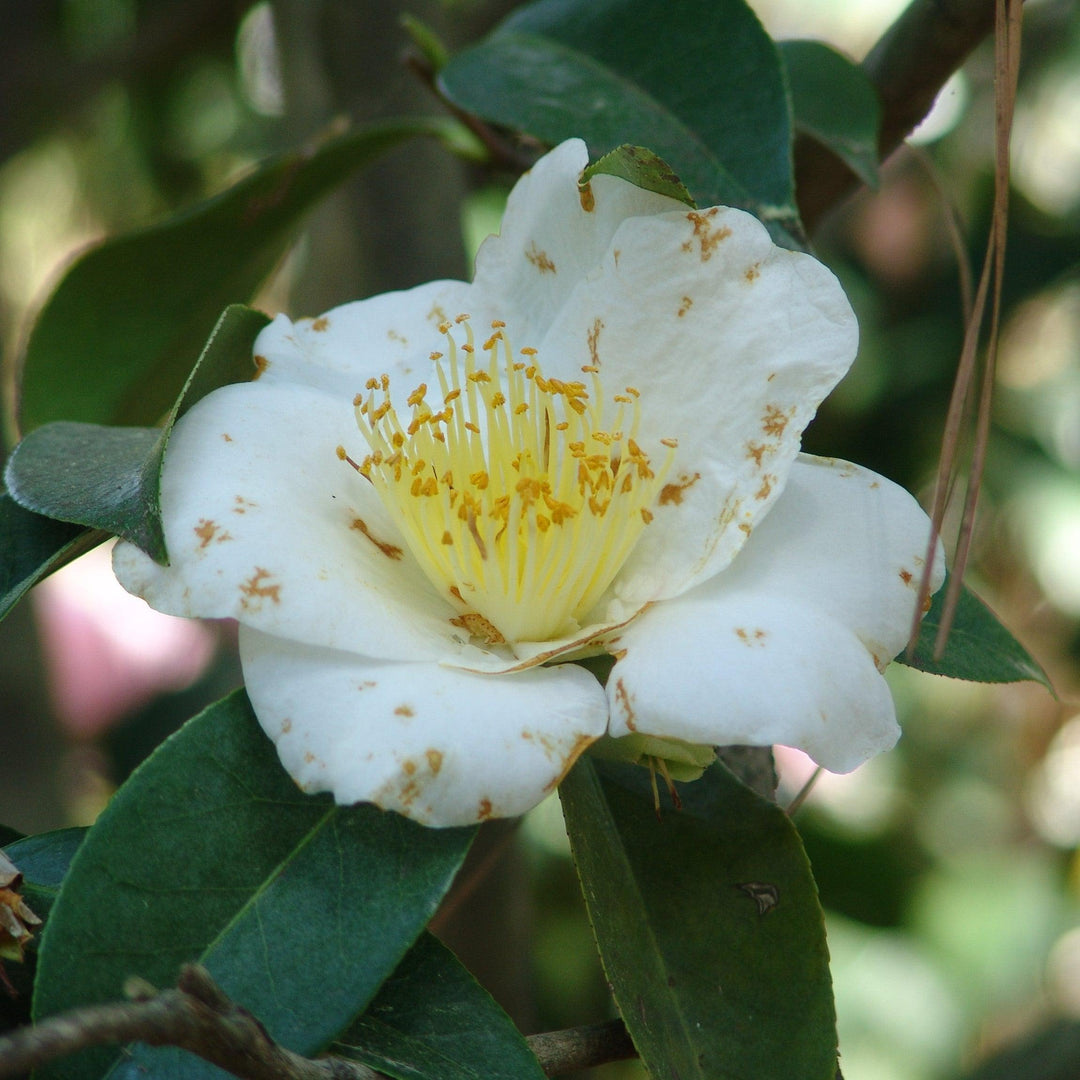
(552, 236)
(732, 343)
(439, 745)
(786, 645)
(393, 333)
(263, 523)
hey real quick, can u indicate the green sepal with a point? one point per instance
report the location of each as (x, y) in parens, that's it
(642, 168)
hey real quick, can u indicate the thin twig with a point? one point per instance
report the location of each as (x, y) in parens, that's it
(907, 67)
(198, 1017)
(504, 153)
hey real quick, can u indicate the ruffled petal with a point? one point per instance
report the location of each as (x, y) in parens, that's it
(553, 235)
(264, 524)
(787, 645)
(393, 333)
(439, 745)
(732, 344)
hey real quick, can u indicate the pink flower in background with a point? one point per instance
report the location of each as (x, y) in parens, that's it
(106, 652)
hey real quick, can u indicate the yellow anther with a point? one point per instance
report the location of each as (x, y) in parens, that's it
(533, 539)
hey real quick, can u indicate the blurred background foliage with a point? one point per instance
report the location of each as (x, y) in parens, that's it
(949, 867)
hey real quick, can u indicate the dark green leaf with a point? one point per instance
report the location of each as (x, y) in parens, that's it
(708, 924)
(102, 477)
(433, 1021)
(299, 908)
(115, 341)
(107, 477)
(700, 83)
(979, 649)
(835, 103)
(32, 546)
(643, 169)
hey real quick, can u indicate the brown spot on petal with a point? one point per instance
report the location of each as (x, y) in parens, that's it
(582, 743)
(752, 273)
(403, 710)
(243, 505)
(540, 259)
(309, 757)
(588, 199)
(672, 494)
(775, 420)
(479, 627)
(320, 324)
(389, 550)
(483, 811)
(226, 436)
(593, 341)
(205, 532)
(757, 451)
(434, 760)
(255, 590)
(746, 527)
(905, 576)
(750, 638)
(286, 726)
(706, 234)
(208, 530)
(408, 766)
(261, 364)
(765, 490)
(625, 702)
(685, 306)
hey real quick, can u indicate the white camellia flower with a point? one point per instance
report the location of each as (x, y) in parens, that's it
(428, 497)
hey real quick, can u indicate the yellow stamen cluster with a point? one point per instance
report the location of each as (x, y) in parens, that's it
(520, 496)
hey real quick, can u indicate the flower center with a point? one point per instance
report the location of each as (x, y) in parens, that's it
(520, 496)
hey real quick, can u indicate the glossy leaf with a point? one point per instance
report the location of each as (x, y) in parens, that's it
(700, 83)
(980, 648)
(299, 908)
(835, 103)
(433, 1021)
(32, 546)
(708, 924)
(115, 341)
(643, 169)
(108, 477)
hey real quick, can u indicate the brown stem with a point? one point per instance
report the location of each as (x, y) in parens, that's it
(198, 1017)
(907, 67)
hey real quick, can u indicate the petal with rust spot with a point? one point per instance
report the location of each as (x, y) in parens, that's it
(462, 742)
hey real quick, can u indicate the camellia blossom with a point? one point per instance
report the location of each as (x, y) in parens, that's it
(428, 500)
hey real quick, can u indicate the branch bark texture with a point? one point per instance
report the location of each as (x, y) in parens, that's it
(199, 1018)
(907, 67)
